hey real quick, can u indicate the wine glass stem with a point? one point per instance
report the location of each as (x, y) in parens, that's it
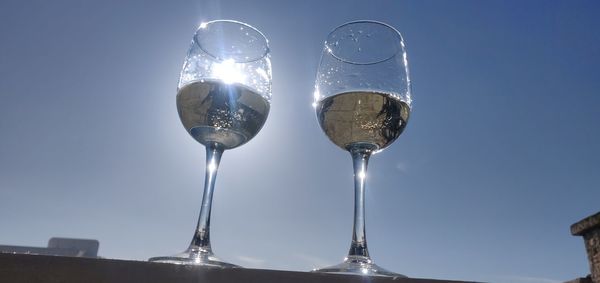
(360, 159)
(201, 240)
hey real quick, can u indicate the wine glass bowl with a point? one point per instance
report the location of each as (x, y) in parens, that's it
(223, 100)
(225, 84)
(363, 101)
(364, 55)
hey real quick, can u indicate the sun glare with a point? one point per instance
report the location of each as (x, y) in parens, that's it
(228, 71)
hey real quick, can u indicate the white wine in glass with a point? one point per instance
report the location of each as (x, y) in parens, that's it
(226, 114)
(362, 117)
(223, 100)
(363, 101)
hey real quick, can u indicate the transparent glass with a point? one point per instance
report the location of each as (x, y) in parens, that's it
(362, 100)
(223, 100)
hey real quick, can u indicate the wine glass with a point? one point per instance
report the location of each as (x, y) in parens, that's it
(362, 100)
(223, 100)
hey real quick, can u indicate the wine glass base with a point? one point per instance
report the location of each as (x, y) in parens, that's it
(195, 258)
(359, 266)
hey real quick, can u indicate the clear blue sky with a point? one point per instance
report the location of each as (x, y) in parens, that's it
(500, 157)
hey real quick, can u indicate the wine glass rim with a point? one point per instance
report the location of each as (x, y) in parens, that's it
(398, 34)
(253, 59)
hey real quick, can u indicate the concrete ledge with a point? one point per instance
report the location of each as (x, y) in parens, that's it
(17, 268)
(586, 224)
(589, 229)
(581, 280)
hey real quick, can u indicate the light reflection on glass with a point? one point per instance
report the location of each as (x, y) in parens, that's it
(317, 97)
(362, 175)
(212, 166)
